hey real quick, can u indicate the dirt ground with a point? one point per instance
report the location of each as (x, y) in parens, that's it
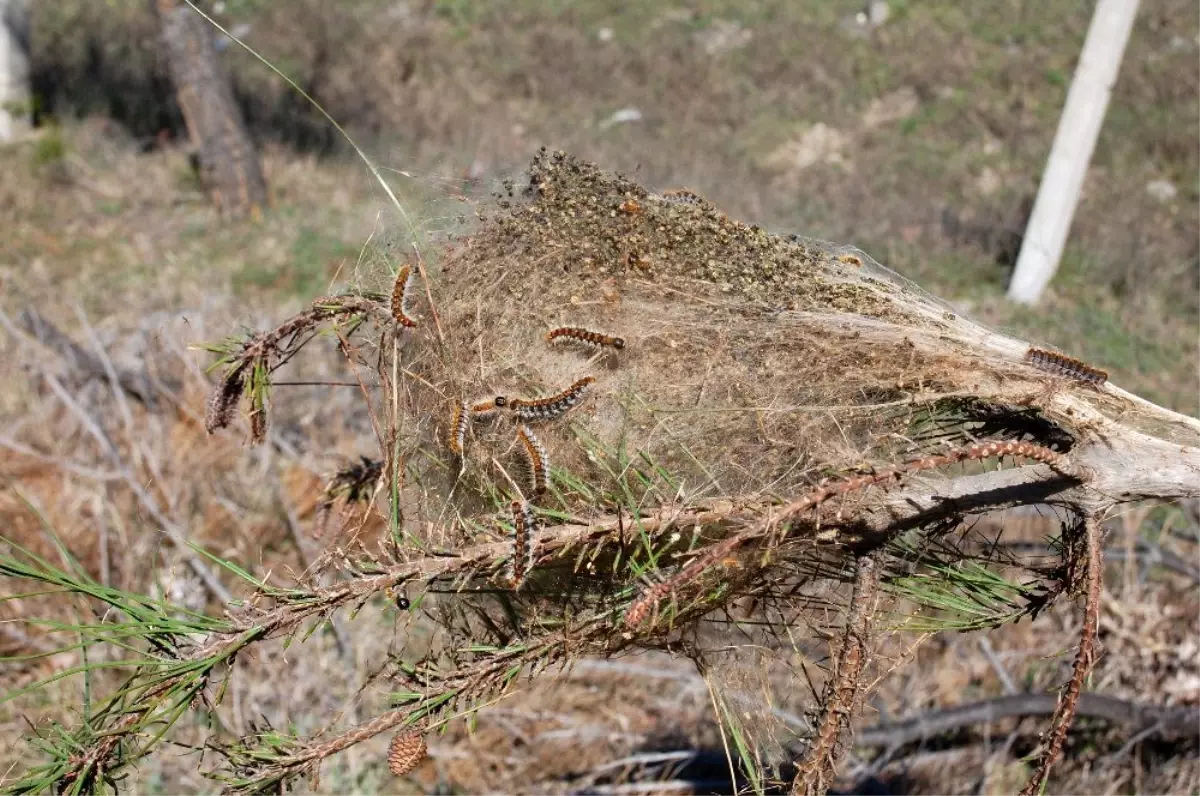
(920, 140)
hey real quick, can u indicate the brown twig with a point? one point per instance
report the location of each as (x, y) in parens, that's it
(1085, 658)
(1174, 721)
(826, 491)
(843, 691)
(468, 682)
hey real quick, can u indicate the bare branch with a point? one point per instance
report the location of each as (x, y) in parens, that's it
(1085, 659)
(1174, 721)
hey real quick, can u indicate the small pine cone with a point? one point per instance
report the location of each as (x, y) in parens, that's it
(405, 751)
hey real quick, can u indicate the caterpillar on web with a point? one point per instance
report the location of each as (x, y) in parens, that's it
(402, 292)
(552, 406)
(1065, 366)
(487, 407)
(585, 337)
(684, 196)
(523, 550)
(456, 435)
(537, 460)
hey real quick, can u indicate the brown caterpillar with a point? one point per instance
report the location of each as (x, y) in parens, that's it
(684, 196)
(405, 751)
(1065, 366)
(539, 462)
(524, 528)
(456, 436)
(584, 337)
(402, 296)
(485, 408)
(550, 407)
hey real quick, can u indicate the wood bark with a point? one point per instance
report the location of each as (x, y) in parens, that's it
(229, 163)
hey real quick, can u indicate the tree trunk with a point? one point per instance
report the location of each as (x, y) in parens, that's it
(14, 70)
(229, 164)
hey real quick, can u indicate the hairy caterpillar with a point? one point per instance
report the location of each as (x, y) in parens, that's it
(456, 436)
(684, 196)
(1065, 366)
(539, 462)
(550, 407)
(485, 408)
(585, 337)
(402, 295)
(524, 527)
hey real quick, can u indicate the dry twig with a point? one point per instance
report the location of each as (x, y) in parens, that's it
(1085, 658)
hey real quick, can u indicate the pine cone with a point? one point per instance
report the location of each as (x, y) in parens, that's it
(405, 751)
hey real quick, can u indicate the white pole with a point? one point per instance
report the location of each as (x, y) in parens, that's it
(14, 72)
(1074, 142)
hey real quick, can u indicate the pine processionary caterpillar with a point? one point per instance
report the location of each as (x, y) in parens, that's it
(550, 407)
(990, 450)
(456, 436)
(684, 196)
(486, 407)
(405, 752)
(1065, 366)
(585, 337)
(524, 528)
(538, 461)
(402, 292)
